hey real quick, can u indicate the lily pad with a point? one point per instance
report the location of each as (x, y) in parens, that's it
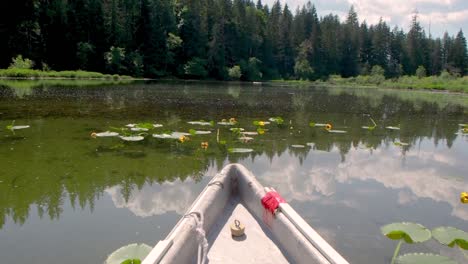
(400, 144)
(200, 123)
(337, 131)
(131, 125)
(173, 135)
(392, 128)
(240, 150)
(424, 258)
(19, 127)
(139, 129)
(129, 252)
(107, 134)
(369, 127)
(246, 139)
(298, 146)
(202, 132)
(237, 129)
(157, 125)
(133, 138)
(410, 232)
(226, 123)
(451, 236)
(249, 133)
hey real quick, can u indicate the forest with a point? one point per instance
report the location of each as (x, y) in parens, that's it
(218, 39)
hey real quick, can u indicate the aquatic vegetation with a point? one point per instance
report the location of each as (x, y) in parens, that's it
(157, 125)
(170, 135)
(202, 132)
(393, 127)
(139, 129)
(104, 134)
(183, 139)
(261, 131)
(278, 120)
(328, 127)
(313, 124)
(225, 122)
(400, 144)
(261, 123)
(298, 146)
(204, 145)
(246, 139)
(132, 138)
(248, 133)
(417, 233)
(464, 197)
(234, 129)
(240, 150)
(132, 253)
(370, 128)
(12, 126)
(202, 123)
(451, 236)
(334, 131)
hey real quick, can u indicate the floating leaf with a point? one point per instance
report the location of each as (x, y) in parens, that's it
(234, 129)
(157, 125)
(200, 123)
(261, 123)
(249, 133)
(131, 125)
(129, 252)
(337, 131)
(139, 129)
(246, 139)
(107, 134)
(131, 261)
(463, 125)
(19, 127)
(240, 150)
(202, 132)
(133, 138)
(278, 120)
(451, 236)
(261, 131)
(312, 124)
(369, 128)
(410, 232)
(192, 132)
(297, 146)
(223, 123)
(173, 135)
(392, 128)
(146, 126)
(424, 258)
(400, 144)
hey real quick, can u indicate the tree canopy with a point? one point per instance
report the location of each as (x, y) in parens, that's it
(208, 38)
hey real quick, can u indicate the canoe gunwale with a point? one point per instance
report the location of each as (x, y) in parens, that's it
(300, 245)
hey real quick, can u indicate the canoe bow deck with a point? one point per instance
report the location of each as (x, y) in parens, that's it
(235, 194)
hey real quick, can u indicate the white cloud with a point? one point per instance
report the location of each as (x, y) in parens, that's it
(440, 15)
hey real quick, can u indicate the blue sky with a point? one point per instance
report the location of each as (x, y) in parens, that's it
(438, 15)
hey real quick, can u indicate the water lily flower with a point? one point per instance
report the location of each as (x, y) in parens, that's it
(204, 145)
(93, 135)
(328, 126)
(261, 123)
(182, 139)
(232, 120)
(464, 197)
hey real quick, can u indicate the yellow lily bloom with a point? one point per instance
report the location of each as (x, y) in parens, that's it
(232, 120)
(464, 197)
(261, 123)
(328, 126)
(182, 139)
(204, 145)
(93, 135)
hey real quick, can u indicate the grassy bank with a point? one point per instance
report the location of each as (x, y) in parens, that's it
(39, 74)
(441, 83)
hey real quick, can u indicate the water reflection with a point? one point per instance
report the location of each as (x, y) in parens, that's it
(55, 165)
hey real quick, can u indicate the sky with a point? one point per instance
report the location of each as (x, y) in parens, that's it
(436, 16)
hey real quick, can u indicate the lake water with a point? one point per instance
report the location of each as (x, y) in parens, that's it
(66, 197)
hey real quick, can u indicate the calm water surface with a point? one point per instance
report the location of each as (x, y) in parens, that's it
(68, 198)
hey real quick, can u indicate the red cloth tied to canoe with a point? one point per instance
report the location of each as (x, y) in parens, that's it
(271, 201)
